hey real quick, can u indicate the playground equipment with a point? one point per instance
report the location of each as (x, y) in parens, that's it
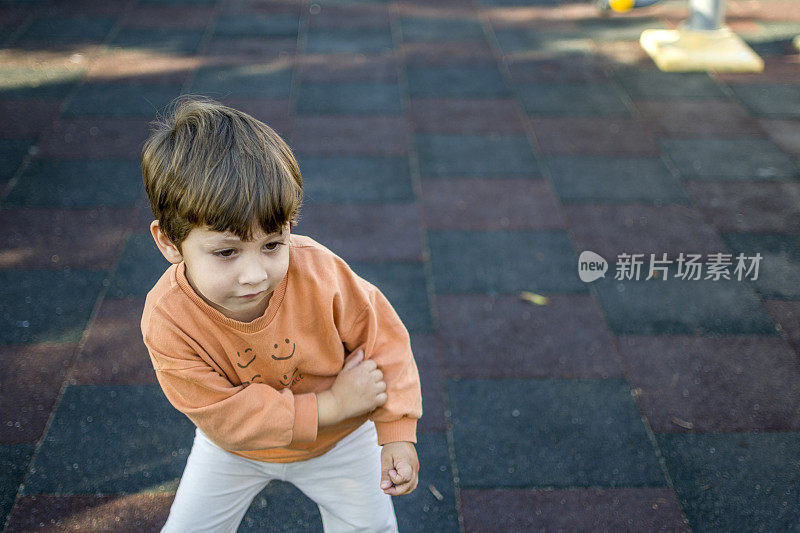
(702, 43)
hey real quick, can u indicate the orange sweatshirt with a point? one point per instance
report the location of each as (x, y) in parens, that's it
(250, 386)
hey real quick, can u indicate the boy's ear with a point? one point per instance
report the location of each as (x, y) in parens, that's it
(168, 250)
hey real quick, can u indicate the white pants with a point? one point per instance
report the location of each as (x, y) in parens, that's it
(217, 487)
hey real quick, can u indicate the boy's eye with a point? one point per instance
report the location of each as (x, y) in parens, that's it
(272, 245)
(224, 253)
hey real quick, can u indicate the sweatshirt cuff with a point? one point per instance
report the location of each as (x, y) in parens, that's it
(403, 430)
(305, 418)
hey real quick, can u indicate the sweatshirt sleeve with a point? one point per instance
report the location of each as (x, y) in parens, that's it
(236, 417)
(379, 331)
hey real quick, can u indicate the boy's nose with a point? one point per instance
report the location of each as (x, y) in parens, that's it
(252, 273)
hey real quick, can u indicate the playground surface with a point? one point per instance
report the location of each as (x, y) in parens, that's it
(461, 155)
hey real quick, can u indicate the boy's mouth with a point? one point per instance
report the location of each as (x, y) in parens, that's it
(253, 295)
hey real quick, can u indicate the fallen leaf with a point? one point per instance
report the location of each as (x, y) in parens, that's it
(532, 297)
(682, 423)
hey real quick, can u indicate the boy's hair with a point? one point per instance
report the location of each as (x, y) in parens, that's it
(206, 164)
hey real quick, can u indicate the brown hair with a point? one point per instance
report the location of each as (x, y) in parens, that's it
(206, 164)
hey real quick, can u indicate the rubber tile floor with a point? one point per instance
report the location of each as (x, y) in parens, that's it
(462, 155)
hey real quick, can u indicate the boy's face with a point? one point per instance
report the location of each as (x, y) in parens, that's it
(235, 277)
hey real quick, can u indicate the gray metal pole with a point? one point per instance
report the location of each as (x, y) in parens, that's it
(706, 14)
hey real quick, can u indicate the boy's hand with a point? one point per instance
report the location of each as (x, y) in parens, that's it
(359, 388)
(399, 468)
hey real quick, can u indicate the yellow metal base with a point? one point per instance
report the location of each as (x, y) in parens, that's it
(797, 43)
(685, 50)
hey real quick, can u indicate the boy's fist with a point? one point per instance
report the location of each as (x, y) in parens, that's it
(399, 468)
(359, 388)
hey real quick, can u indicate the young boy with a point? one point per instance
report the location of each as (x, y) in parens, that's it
(249, 329)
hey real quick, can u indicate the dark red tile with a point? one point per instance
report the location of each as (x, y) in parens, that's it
(489, 204)
(465, 115)
(542, 16)
(27, 117)
(54, 238)
(778, 10)
(580, 68)
(347, 67)
(715, 384)
(133, 513)
(143, 66)
(698, 119)
(95, 139)
(785, 133)
(611, 230)
(787, 314)
(506, 337)
(448, 53)
(778, 70)
(30, 377)
(593, 136)
(113, 351)
(590, 509)
(385, 232)
(183, 17)
(424, 347)
(742, 207)
(335, 135)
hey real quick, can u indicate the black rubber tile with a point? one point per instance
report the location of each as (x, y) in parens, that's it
(139, 267)
(78, 183)
(160, 40)
(416, 29)
(404, 285)
(318, 98)
(621, 509)
(45, 305)
(256, 80)
(779, 269)
(324, 41)
(12, 153)
(573, 99)
(772, 101)
(257, 25)
(653, 84)
(355, 179)
(676, 306)
(425, 356)
(735, 481)
(578, 433)
(151, 441)
(475, 155)
(535, 42)
(458, 81)
(281, 507)
(14, 459)
(73, 30)
(120, 100)
(503, 262)
(729, 159)
(432, 506)
(584, 179)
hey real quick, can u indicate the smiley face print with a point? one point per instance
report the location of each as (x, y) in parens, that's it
(278, 349)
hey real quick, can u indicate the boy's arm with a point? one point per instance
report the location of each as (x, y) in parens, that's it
(236, 417)
(378, 330)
